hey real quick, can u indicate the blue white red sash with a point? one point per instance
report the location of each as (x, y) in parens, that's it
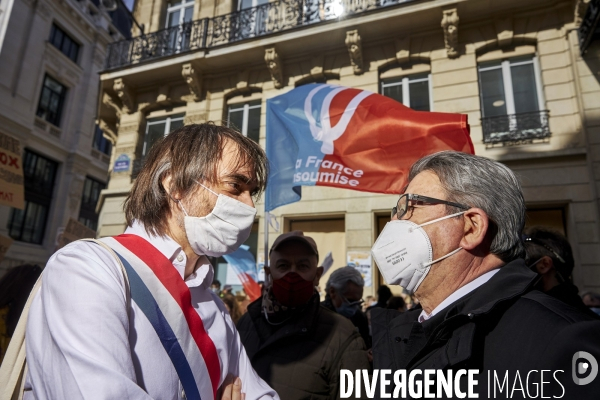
(162, 295)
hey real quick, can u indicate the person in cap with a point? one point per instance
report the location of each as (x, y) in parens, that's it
(295, 344)
(454, 240)
(344, 291)
(549, 254)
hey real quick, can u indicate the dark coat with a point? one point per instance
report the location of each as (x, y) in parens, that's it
(501, 326)
(302, 358)
(359, 320)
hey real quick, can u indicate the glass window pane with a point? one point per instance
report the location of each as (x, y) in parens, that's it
(154, 133)
(16, 222)
(524, 88)
(254, 124)
(174, 18)
(244, 4)
(492, 93)
(58, 38)
(235, 119)
(176, 124)
(188, 14)
(393, 89)
(419, 95)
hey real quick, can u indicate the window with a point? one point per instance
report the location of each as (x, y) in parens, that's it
(89, 199)
(512, 100)
(157, 128)
(64, 43)
(28, 225)
(510, 87)
(179, 13)
(51, 101)
(101, 143)
(413, 91)
(246, 118)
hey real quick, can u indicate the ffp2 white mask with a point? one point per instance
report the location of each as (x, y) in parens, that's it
(404, 254)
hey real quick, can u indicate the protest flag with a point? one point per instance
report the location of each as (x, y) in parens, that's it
(244, 265)
(327, 135)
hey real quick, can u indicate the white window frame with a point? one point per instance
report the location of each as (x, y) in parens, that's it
(167, 121)
(180, 7)
(405, 84)
(254, 4)
(246, 107)
(508, 86)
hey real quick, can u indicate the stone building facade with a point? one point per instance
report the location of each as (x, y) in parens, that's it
(50, 56)
(514, 67)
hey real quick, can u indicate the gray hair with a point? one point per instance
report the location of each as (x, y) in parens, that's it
(340, 277)
(483, 183)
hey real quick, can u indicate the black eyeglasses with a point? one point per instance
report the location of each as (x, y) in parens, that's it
(529, 239)
(416, 199)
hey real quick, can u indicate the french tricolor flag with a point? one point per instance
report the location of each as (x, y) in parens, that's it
(327, 135)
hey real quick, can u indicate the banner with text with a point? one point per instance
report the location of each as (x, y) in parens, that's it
(326, 135)
(12, 192)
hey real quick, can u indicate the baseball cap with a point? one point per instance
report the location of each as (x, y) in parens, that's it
(295, 236)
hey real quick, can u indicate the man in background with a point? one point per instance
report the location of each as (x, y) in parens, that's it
(549, 254)
(344, 290)
(295, 344)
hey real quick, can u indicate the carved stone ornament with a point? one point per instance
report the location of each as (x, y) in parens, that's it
(243, 84)
(124, 94)
(108, 101)
(317, 72)
(450, 26)
(274, 66)
(581, 7)
(403, 50)
(354, 46)
(504, 31)
(193, 80)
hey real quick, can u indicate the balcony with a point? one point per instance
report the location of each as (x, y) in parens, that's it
(515, 128)
(245, 24)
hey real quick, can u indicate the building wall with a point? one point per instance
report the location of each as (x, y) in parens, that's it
(560, 172)
(26, 56)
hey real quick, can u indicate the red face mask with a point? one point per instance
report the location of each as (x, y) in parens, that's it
(292, 290)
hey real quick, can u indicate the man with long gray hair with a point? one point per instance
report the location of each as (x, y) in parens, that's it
(344, 291)
(455, 242)
(133, 316)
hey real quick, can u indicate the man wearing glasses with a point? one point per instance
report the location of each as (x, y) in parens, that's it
(455, 242)
(344, 291)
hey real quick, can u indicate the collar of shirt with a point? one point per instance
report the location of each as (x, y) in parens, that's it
(202, 276)
(460, 292)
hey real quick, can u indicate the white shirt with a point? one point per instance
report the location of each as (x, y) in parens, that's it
(460, 292)
(83, 344)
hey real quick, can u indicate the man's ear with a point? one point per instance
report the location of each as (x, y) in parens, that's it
(476, 227)
(166, 184)
(319, 274)
(544, 265)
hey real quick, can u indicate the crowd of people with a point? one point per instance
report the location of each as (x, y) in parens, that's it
(140, 316)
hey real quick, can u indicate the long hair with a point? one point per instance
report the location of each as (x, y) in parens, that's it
(189, 153)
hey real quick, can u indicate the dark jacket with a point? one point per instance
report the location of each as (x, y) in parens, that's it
(359, 320)
(502, 327)
(302, 358)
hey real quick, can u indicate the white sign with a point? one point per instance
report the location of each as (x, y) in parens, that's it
(361, 260)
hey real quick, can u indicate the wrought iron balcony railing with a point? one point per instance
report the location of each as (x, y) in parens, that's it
(250, 23)
(515, 128)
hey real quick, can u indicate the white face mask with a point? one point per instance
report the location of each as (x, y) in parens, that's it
(223, 230)
(404, 254)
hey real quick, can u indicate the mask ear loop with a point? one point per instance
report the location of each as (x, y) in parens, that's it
(179, 203)
(210, 190)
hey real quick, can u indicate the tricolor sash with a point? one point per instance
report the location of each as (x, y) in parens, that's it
(162, 295)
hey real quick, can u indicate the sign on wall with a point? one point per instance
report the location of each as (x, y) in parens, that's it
(122, 163)
(12, 192)
(361, 261)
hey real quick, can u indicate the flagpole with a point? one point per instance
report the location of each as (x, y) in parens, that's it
(266, 260)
